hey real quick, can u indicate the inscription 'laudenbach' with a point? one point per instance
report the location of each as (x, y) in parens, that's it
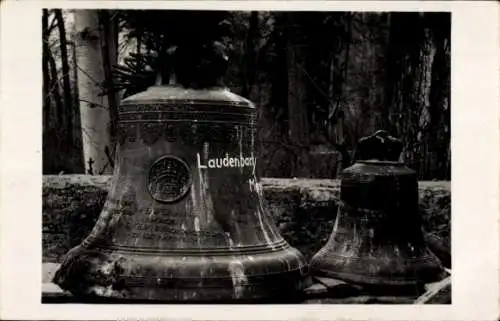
(226, 161)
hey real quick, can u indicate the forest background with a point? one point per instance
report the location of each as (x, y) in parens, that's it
(320, 82)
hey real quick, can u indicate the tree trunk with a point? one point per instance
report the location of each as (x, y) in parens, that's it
(56, 120)
(95, 114)
(410, 73)
(65, 70)
(45, 69)
(55, 160)
(276, 115)
(438, 138)
(298, 120)
(48, 144)
(74, 154)
(250, 54)
(109, 36)
(77, 124)
(423, 151)
(364, 78)
(340, 141)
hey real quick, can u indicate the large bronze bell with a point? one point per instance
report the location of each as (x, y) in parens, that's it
(185, 218)
(377, 238)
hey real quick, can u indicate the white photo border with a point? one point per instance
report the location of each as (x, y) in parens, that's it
(475, 177)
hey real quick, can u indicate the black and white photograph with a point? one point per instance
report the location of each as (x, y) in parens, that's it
(249, 160)
(206, 156)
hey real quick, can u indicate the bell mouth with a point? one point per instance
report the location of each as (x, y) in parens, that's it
(381, 162)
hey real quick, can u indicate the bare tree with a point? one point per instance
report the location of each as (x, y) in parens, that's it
(94, 109)
(67, 138)
(62, 153)
(109, 52)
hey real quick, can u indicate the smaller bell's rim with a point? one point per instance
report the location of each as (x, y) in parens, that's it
(381, 162)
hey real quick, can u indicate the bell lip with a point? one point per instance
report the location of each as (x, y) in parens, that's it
(380, 162)
(261, 284)
(271, 287)
(373, 280)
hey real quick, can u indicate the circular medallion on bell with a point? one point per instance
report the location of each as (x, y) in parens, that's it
(169, 179)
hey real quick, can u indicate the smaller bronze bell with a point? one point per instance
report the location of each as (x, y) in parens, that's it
(377, 238)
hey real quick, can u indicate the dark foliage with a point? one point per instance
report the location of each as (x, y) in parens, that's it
(321, 80)
(187, 47)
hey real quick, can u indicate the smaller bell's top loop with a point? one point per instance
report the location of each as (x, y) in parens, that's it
(379, 146)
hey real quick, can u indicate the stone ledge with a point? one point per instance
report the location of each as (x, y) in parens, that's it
(303, 209)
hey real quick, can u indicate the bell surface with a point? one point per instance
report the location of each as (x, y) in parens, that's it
(377, 238)
(184, 219)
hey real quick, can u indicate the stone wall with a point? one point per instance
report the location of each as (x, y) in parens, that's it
(303, 209)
